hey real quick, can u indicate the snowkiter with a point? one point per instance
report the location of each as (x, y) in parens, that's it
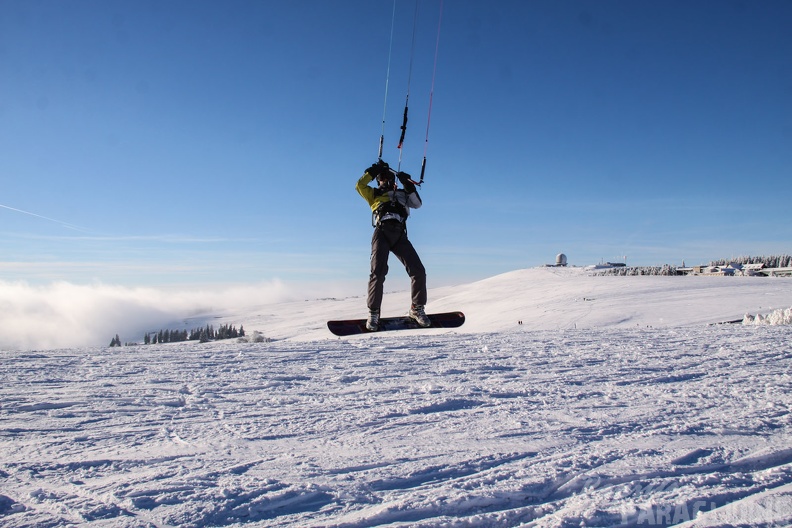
(390, 207)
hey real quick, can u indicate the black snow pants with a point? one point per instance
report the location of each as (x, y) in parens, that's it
(391, 236)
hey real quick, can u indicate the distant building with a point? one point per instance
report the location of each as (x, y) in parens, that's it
(608, 265)
(560, 262)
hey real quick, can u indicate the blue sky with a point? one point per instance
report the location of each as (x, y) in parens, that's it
(204, 142)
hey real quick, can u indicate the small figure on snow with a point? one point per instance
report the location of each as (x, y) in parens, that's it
(391, 207)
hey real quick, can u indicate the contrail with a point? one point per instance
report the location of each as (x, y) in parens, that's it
(64, 224)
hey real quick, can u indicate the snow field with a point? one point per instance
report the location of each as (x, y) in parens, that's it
(550, 428)
(617, 402)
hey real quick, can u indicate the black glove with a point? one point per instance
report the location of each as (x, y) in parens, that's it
(377, 169)
(406, 181)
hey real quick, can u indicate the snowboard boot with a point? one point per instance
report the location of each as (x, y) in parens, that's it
(372, 323)
(418, 315)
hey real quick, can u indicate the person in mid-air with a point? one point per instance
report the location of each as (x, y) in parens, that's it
(391, 207)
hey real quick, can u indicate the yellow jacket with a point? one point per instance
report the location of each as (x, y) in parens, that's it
(375, 198)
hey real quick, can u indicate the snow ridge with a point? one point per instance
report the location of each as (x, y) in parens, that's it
(776, 317)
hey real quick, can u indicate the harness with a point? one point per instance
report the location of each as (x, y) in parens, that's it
(392, 210)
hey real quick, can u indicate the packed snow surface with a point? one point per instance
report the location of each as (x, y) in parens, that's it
(616, 402)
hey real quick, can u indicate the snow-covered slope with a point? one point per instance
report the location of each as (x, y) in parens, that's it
(613, 404)
(542, 299)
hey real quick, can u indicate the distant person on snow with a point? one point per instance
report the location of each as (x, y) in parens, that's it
(391, 207)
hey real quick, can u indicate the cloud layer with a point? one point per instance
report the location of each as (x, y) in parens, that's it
(65, 315)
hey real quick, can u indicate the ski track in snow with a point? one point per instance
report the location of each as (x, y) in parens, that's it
(569, 427)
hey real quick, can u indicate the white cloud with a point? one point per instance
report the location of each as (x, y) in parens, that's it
(64, 315)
